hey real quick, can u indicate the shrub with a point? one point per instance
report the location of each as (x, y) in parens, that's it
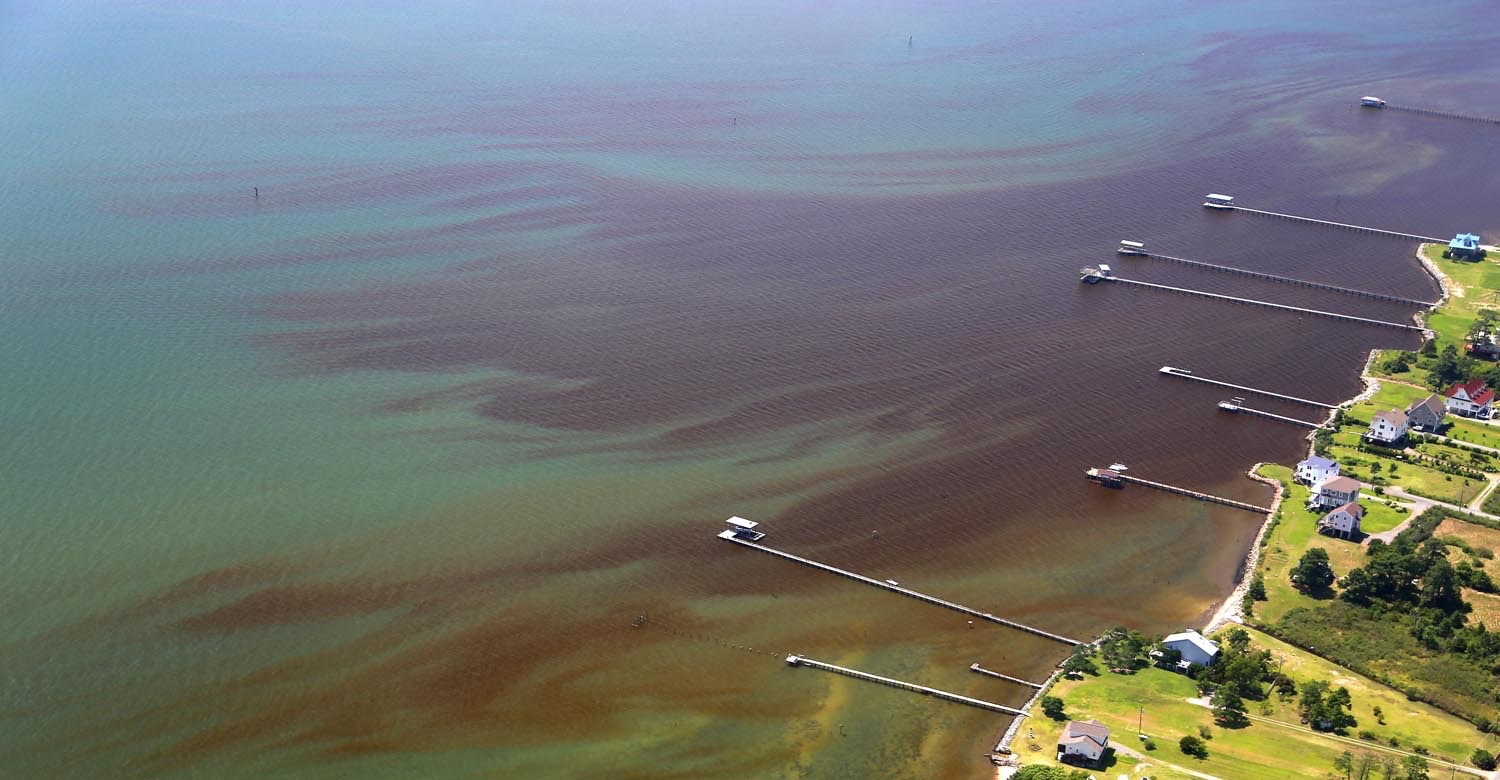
(1193, 746)
(1205, 732)
(1052, 707)
(1482, 759)
(1368, 736)
(1150, 744)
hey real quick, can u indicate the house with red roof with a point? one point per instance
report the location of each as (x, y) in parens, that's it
(1470, 399)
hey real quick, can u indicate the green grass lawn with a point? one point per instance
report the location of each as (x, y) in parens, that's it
(1419, 480)
(1261, 750)
(1295, 533)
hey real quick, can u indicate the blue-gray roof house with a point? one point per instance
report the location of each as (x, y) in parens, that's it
(1464, 245)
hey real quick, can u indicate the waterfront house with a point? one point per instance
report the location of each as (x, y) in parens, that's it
(1316, 470)
(1194, 647)
(1427, 414)
(1334, 493)
(1471, 399)
(1083, 741)
(1387, 427)
(1482, 344)
(1343, 521)
(1465, 245)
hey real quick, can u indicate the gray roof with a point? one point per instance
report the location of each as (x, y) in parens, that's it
(1352, 508)
(1393, 417)
(1434, 404)
(1340, 484)
(1079, 730)
(1318, 462)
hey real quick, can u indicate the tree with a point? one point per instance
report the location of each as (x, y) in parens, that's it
(1440, 588)
(1415, 767)
(1228, 707)
(1193, 746)
(1344, 762)
(1243, 673)
(1238, 639)
(1312, 572)
(1358, 588)
(1052, 707)
(1364, 766)
(1258, 587)
(1428, 348)
(1482, 759)
(1080, 662)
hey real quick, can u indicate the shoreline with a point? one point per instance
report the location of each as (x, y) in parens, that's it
(1231, 609)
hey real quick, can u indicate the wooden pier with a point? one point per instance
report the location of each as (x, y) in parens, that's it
(1233, 407)
(1228, 205)
(1201, 496)
(975, 667)
(1267, 304)
(1443, 114)
(730, 536)
(1283, 279)
(1186, 374)
(797, 660)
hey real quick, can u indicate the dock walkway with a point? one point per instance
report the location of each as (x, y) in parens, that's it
(1330, 223)
(975, 667)
(1286, 279)
(1186, 374)
(1268, 304)
(1235, 408)
(729, 536)
(1116, 479)
(1444, 114)
(797, 660)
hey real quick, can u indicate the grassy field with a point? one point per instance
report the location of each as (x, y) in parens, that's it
(1295, 533)
(1277, 749)
(1417, 479)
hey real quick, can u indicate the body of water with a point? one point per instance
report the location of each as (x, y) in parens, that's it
(366, 372)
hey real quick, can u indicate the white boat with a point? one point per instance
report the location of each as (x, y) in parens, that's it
(1372, 102)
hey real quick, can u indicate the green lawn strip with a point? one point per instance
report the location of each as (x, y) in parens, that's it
(1472, 432)
(1411, 723)
(1418, 480)
(1257, 751)
(1380, 517)
(1295, 533)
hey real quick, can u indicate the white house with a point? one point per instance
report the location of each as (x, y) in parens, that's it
(1471, 399)
(1195, 648)
(1343, 521)
(1335, 492)
(1387, 427)
(1316, 470)
(1083, 739)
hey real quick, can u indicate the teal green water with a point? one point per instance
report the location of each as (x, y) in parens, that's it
(369, 476)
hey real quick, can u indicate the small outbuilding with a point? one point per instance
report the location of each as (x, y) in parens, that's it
(1083, 741)
(1193, 646)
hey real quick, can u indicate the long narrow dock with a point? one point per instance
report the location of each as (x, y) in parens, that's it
(1201, 496)
(730, 536)
(975, 667)
(1238, 408)
(1226, 203)
(1284, 279)
(1268, 304)
(798, 660)
(1444, 114)
(1186, 374)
